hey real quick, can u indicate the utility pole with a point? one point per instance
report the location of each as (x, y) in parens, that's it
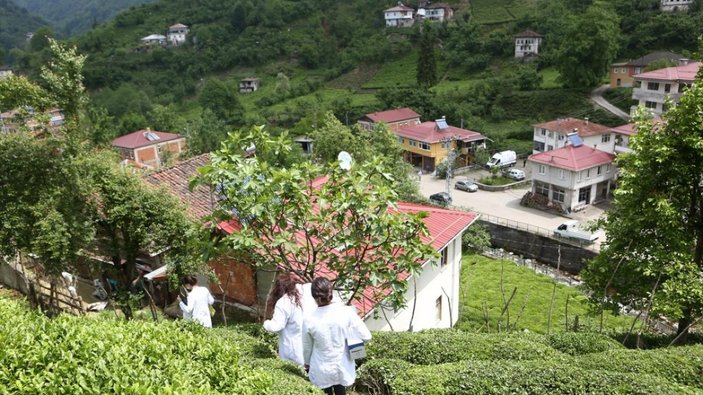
(451, 161)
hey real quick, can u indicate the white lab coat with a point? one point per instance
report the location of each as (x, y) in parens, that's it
(287, 321)
(324, 347)
(198, 307)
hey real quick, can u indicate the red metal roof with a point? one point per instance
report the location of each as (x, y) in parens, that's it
(390, 116)
(139, 139)
(429, 133)
(399, 8)
(567, 125)
(573, 158)
(686, 73)
(631, 128)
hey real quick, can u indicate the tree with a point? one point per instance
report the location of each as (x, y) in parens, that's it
(585, 57)
(346, 226)
(653, 258)
(426, 60)
(205, 133)
(221, 98)
(63, 77)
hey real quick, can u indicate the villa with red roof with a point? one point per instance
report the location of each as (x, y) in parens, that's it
(573, 176)
(148, 148)
(653, 87)
(552, 135)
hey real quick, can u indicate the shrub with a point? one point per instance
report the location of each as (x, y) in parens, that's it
(505, 377)
(575, 343)
(441, 346)
(683, 365)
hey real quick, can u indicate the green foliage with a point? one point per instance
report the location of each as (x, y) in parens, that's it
(278, 206)
(442, 346)
(658, 198)
(387, 376)
(220, 97)
(621, 98)
(426, 61)
(580, 343)
(475, 239)
(101, 355)
(63, 77)
(482, 300)
(15, 22)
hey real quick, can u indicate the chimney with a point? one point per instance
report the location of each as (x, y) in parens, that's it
(683, 61)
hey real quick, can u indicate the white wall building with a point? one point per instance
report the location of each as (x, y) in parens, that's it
(177, 34)
(573, 176)
(399, 16)
(653, 87)
(435, 12)
(675, 5)
(553, 134)
(154, 39)
(5, 72)
(437, 301)
(527, 43)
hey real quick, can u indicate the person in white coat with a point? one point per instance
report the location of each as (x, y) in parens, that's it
(329, 363)
(197, 305)
(286, 303)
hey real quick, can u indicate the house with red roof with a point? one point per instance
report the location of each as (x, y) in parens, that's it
(651, 89)
(149, 148)
(399, 16)
(398, 117)
(574, 175)
(552, 135)
(622, 73)
(433, 294)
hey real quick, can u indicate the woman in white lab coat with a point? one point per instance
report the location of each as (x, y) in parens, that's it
(285, 307)
(197, 305)
(325, 331)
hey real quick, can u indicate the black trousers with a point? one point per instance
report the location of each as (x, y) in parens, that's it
(335, 390)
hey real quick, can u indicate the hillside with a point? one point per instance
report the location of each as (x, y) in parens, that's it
(15, 23)
(71, 17)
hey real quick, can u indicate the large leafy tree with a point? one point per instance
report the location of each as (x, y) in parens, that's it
(654, 251)
(589, 46)
(426, 60)
(346, 226)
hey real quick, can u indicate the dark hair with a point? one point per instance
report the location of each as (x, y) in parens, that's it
(285, 285)
(189, 279)
(321, 290)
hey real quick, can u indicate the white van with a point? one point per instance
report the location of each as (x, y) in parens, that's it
(572, 230)
(502, 159)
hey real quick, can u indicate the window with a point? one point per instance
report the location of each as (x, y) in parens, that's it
(401, 140)
(561, 137)
(443, 258)
(578, 176)
(588, 173)
(542, 169)
(413, 143)
(605, 138)
(561, 174)
(541, 188)
(667, 88)
(638, 70)
(445, 145)
(600, 170)
(607, 168)
(424, 146)
(539, 146)
(650, 104)
(584, 193)
(653, 86)
(558, 195)
(543, 132)
(551, 134)
(550, 147)
(438, 308)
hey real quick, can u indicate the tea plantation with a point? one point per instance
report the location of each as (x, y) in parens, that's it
(100, 354)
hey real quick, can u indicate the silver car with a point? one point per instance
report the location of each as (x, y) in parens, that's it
(468, 186)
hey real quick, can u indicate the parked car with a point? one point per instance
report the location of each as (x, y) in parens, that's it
(572, 230)
(468, 186)
(441, 198)
(515, 174)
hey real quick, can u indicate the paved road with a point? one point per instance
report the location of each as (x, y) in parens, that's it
(504, 204)
(597, 97)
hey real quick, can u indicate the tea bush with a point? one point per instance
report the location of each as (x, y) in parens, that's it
(387, 376)
(578, 343)
(97, 355)
(440, 346)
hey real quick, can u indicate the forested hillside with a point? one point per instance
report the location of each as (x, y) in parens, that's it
(70, 17)
(15, 23)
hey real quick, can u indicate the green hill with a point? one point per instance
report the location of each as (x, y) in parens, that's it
(70, 17)
(15, 23)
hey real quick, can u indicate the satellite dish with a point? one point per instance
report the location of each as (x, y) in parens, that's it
(345, 160)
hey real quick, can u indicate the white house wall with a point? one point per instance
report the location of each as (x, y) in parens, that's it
(604, 142)
(433, 282)
(572, 181)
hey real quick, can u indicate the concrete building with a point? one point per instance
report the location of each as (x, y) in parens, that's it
(573, 176)
(552, 135)
(177, 34)
(675, 5)
(527, 44)
(435, 12)
(248, 85)
(651, 89)
(154, 39)
(399, 16)
(5, 72)
(622, 73)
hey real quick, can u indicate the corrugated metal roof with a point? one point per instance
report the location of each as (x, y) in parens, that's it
(428, 132)
(390, 116)
(686, 73)
(139, 139)
(567, 125)
(573, 158)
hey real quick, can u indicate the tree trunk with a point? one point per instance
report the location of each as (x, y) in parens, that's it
(684, 324)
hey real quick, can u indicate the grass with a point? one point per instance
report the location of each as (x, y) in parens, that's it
(620, 98)
(398, 73)
(480, 291)
(500, 11)
(500, 180)
(550, 78)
